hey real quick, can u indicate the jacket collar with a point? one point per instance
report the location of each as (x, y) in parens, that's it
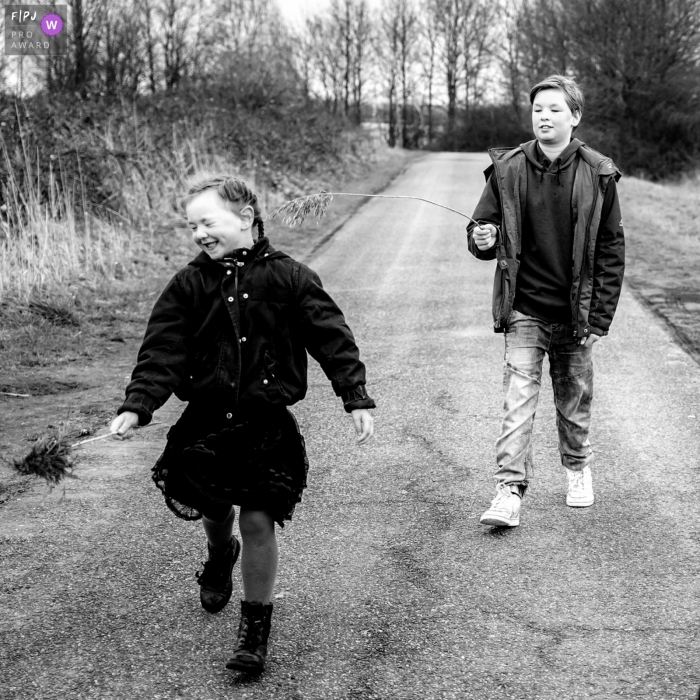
(241, 256)
(541, 162)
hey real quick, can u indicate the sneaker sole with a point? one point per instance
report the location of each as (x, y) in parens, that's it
(495, 521)
(579, 504)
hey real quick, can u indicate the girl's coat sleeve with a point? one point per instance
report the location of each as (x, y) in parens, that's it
(330, 341)
(162, 358)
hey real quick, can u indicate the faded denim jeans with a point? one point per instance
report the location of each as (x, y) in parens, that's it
(527, 339)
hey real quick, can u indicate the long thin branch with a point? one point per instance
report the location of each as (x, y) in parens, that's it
(298, 209)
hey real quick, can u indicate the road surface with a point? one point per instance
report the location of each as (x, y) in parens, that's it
(388, 586)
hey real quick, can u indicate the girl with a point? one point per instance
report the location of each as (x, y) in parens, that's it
(229, 335)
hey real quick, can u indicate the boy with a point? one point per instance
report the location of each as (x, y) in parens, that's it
(550, 216)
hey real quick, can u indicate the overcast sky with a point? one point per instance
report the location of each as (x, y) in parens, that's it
(293, 10)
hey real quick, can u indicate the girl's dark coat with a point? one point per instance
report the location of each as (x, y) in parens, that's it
(233, 334)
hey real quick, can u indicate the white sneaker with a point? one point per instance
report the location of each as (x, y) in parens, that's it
(580, 492)
(504, 510)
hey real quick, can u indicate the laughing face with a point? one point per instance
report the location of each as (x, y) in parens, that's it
(216, 228)
(552, 119)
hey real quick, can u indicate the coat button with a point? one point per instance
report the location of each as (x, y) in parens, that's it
(230, 298)
(245, 296)
(229, 415)
(243, 339)
(245, 252)
(228, 272)
(265, 381)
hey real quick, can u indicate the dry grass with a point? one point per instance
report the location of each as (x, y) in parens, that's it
(665, 215)
(662, 231)
(63, 234)
(48, 459)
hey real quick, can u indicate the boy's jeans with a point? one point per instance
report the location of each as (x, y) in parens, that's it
(527, 340)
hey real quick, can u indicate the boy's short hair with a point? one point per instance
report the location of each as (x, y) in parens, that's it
(570, 88)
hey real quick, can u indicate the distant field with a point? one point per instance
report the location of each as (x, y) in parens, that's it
(662, 229)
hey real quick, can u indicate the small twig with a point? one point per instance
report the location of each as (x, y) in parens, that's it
(296, 210)
(106, 435)
(17, 396)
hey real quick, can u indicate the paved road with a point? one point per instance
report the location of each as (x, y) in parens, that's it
(389, 588)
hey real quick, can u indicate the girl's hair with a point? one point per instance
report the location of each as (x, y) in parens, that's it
(231, 190)
(572, 92)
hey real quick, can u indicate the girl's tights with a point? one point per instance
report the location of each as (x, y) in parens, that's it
(259, 557)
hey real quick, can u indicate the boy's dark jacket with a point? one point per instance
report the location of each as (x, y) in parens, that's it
(599, 250)
(226, 335)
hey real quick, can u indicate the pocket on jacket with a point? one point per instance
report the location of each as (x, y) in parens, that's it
(504, 290)
(271, 378)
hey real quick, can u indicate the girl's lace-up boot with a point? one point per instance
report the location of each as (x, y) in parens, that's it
(215, 580)
(250, 653)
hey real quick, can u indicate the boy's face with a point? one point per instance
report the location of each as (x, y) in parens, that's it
(216, 229)
(552, 119)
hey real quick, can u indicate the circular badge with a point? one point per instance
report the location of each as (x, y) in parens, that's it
(51, 25)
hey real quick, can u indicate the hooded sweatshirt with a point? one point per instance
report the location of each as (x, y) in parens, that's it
(545, 275)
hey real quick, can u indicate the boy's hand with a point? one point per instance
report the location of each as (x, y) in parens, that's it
(364, 425)
(123, 425)
(587, 342)
(484, 236)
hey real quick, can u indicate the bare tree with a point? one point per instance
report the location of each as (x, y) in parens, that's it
(145, 11)
(174, 19)
(85, 41)
(122, 51)
(476, 48)
(388, 52)
(362, 35)
(429, 31)
(352, 32)
(450, 17)
(509, 55)
(333, 54)
(324, 62)
(639, 61)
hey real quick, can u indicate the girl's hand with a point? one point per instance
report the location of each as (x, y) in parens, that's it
(484, 236)
(123, 425)
(364, 425)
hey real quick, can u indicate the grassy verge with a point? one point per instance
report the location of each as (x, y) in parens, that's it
(75, 294)
(663, 252)
(72, 354)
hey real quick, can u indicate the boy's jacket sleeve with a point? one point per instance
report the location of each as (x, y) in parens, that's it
(609, 267)
(153, 381)
(488, 211)
(330, 341)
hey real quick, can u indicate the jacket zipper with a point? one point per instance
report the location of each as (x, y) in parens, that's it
(500, 244)
(586, 239)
